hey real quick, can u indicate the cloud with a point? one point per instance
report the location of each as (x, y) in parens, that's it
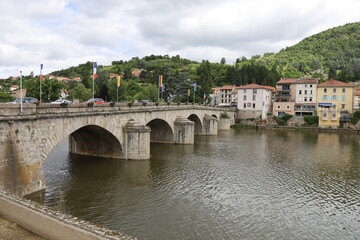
(63, 33)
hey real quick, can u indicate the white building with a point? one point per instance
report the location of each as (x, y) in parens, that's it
(305, 96)
(254, 101)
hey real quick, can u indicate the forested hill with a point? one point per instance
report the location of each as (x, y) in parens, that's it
(335, 51)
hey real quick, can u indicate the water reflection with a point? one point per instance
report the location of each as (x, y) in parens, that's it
(244, 184)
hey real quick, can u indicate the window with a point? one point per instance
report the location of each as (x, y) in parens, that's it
(305, 99)
(278, 106)
(334, 90)
(325, 90)
(254, 91)
(305, 91)
(287, 107)
(324, 97)
(254, 97)
(334, 97)
(343, 90)
(244, 90)
(300, 92)
(253, 105)
(244, 97)
(324, 114)
(244, 105)
(310, 85)
(343, 98)
(343, 106)
(311, 91)
(305, 85)
(310, 99)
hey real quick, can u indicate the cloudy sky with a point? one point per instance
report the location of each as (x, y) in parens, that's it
(64, 33)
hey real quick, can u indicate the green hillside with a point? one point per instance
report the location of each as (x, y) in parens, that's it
(335, 51)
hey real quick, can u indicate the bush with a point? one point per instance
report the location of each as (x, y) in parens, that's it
(355, 117)
(112, 104)
(224, 115)
(311, 120)
(282, 121)
(90, 104)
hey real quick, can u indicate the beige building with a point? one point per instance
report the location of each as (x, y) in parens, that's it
(356, 106)
(226, 96)
(335, 98)
(284, 101)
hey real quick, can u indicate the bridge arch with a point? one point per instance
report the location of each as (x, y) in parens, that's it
(95, 141)
(161, 131)
(198, 125)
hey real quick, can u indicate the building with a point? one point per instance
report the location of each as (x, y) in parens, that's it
(356, 101)
(335, 98)
(284, 101)
(305, 96)
(226, 96)
(296, 97)
(19, 93)
(254, 101)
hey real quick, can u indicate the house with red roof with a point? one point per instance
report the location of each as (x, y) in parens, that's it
(254, 101)
(225, 96)
(334, 100)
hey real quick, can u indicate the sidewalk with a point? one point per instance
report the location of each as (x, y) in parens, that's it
(12, 231)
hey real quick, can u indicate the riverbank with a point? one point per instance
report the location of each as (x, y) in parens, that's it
(12, 231)
(298, 128)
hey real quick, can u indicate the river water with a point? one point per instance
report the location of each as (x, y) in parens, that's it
(241, 184)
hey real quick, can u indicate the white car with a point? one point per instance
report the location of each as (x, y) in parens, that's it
(59, 101)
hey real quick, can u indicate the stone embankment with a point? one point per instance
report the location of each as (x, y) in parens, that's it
(48, 223)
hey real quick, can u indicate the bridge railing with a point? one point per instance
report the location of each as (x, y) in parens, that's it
(47, 108)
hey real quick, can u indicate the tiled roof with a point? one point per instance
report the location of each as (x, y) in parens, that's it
(254, 86)
(334, 83)
(298, 81)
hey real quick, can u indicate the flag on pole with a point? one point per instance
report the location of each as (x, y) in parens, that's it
(189, 92)
(118, 81)
(160, 80)
(41, 68)
(195, 87)
(163, 87)
(94, 70)
(204, 96)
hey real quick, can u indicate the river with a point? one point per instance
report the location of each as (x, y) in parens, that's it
(241, 184)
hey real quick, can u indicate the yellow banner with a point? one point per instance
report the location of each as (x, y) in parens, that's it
(118, 81)
(160, 80)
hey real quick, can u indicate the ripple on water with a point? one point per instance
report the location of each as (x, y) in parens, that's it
(239, 185)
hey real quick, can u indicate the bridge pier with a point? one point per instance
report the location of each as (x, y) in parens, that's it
(210, 126)
(184, 131)
(224, 124)
(136, 141)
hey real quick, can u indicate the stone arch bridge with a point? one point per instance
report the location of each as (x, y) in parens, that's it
(118, 131)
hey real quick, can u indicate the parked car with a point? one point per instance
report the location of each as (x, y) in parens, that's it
(145, 101)
(95, 100)
(24, 100)
(59, 101)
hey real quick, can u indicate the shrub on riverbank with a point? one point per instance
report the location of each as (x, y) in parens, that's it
(282, 121)
(311, 121)
(355, 117)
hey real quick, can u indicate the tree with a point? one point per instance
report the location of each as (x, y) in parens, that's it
(6, 97)
(205, 74)
(50, 89)
(122, 91)
(223, 60)
(80, 92)
(332, 73)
